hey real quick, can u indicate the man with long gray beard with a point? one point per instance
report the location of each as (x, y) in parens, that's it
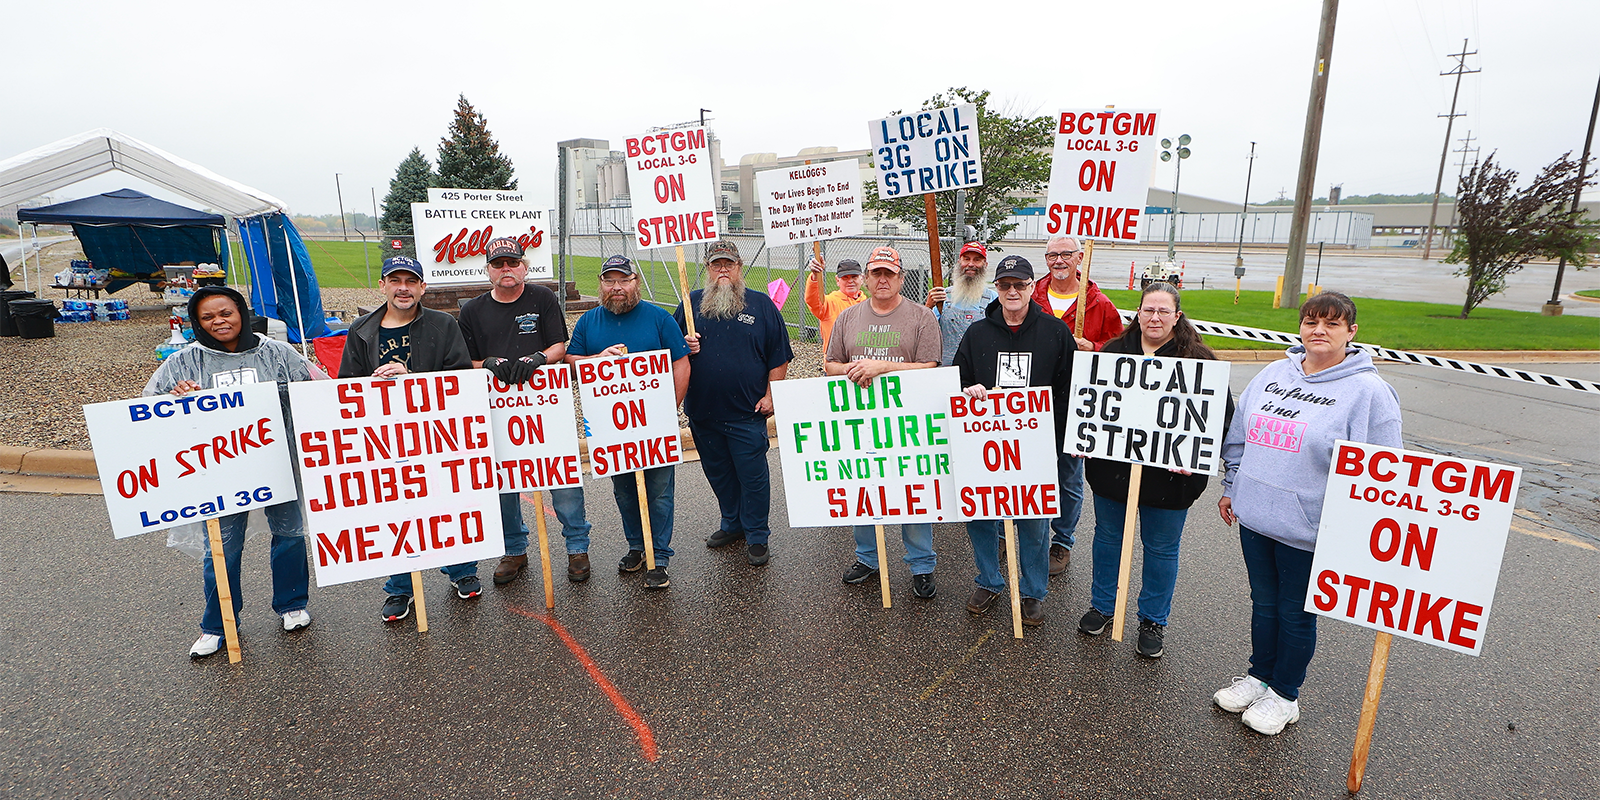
(965, 301)
(740, 346)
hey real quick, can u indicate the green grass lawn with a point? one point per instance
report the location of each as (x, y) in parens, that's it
(1589, 293)
(339, 265)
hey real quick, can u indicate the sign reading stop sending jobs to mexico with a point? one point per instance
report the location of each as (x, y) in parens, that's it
(1100, 172)
(1156, 411)
(670, 180)
(1410, 543)
(1003, 447)
(927, 151)
(856, 455)
(452, 232)
(166, 461)
(630, 412)
(810, 203)
(535, 442)
(398, 475)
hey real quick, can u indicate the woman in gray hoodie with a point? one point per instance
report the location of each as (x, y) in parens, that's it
(1275, 459)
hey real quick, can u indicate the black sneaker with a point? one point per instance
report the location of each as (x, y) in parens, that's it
(723, 538)
(396, 608)
(859, 573)
(922, 586)
(1093, 623)
(756, 554)
(1150, 636)
(657, 579)
(632, 562)
(468, 588)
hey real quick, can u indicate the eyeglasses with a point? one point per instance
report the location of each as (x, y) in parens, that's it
(1061, 256)
(723, 265)
(505, 265)
(613, 283)
(1162, 313)
(1008, 287)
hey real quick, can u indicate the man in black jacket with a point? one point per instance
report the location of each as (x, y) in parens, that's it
(400, 338)
(1016, 344)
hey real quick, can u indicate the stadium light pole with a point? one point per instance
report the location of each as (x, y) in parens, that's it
(1182, 152)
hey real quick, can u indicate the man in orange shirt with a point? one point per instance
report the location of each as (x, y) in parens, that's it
(827, 309)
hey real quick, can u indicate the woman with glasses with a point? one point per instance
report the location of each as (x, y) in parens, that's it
(1165, 496)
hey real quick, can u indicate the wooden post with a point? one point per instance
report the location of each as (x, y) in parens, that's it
(688, 320)
(1016, 589)
(1083, 287)
(644, 519)
(544, 550)
(1236, 282)
(883, 568)
(1369, 711)
(1277, 294)
(936, 273)
(420, 598)
(1130, 515)
(219, 564)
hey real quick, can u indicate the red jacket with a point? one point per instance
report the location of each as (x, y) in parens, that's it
(1101, 322)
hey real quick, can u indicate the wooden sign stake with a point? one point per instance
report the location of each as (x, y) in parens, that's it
(1016, 589)
(420, 598)
(544, 551)
(1120, 616)
(219, 564)
(936, 275)
(1083, 288)
(644, 517)
(688, 319)
(1369, 711)
(883, 571)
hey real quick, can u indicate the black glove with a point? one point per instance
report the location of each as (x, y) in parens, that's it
(503, 368)
(537, 360)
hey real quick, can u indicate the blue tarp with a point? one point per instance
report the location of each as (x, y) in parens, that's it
(279, 266)
(121, 207)
(133, 234)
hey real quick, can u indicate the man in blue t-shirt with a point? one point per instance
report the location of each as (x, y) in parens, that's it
(740, 346)
(623, 324)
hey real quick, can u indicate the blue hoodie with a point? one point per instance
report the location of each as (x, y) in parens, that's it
(1277, 452)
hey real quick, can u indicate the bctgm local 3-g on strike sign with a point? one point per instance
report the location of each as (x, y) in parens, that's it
(670, 181)
(399, 474)
(535, 443)
(927, 151)
(1410, 543)
(166, 461)
(630, 412)
(1003, 447)
(855, 455)
(1100, 172)
(1157, 411)
(810, 203)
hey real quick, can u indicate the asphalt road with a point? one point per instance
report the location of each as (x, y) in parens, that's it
(781, 682)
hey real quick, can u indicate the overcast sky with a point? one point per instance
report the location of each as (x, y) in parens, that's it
(282, 96)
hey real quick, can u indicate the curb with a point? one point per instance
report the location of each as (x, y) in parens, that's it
(1479, 356)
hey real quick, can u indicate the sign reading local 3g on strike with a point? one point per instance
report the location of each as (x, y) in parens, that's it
(1156, 411)
(927, 151)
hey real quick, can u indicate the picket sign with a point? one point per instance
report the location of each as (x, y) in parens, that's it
(670, 177)
(1100, 172)
(535, 443)
(810, 203)
(1409, 544)
(1147, 411)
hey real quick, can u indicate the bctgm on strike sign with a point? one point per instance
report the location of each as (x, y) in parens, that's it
(451, 235)
(1410, 543)
(810, 203)
(877, 454)
(670, 181)
(1003, 447)
(399, 474)
(630, 412)
(535, 442)
(1157, 411)
(927, 151)
(167, 460)
(1100, 172)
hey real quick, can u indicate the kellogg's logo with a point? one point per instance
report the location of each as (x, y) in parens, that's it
(465, 244)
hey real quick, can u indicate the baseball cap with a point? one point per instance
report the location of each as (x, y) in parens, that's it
(975, 247)
(722, 248)
(1014, 267)
(886, 255)
(848, 266)
(503, 247)
(402, 264)
(617, 264)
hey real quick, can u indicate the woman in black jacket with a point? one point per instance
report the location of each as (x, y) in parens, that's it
(1160, 329)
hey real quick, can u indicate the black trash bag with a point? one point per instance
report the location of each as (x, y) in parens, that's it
(35, 319)
(7, 327)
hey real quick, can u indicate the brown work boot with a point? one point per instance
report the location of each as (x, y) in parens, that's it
(510, 567)
(577, 567)
(981, 600)
(1060, 559)
(1032, 612)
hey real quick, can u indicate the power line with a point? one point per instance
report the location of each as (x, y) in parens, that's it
(1450, 121)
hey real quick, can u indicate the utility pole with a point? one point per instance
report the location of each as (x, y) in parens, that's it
(340, 191)
(1295, 266)
(703, 116)
(1238, 258)
(1553, 308)
(1461, 173)
(1450, 121)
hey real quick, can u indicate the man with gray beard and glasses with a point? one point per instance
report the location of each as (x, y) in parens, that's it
(739, 347)
(965, 301)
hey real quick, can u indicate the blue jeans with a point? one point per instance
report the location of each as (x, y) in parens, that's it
(659, 488)
(568, 503)
(291, 573)
(1283, 636)
(917, 537)
(1069, 473)
(733, 454)
(1160, 529)
(1033, 555)
(401, 584)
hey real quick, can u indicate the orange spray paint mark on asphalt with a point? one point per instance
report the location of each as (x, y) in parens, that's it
(647, 740)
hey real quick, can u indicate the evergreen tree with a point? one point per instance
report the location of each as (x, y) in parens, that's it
(409, 185)
(469, 158)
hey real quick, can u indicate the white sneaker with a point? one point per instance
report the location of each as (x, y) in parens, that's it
(1238, 697)
(295, 620)
(1270, 713)
(205, 646)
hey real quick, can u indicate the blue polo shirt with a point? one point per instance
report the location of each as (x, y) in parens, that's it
(729, 375)
(646, 327)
